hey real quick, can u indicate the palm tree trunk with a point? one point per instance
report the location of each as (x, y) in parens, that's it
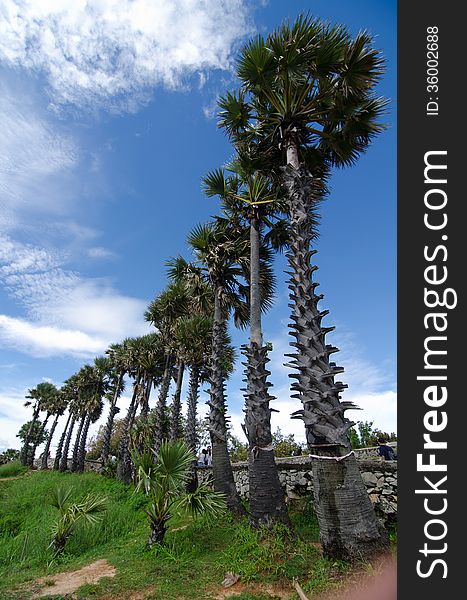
(110, 422)
(74, 460)
(221, 466)
(41, 432)
(82, 445)
(58, 453)
(348, 525)
(175, 422)
(64, 457)
(147, 392)
(45, 454)
(256, 334)
(267, 500)
(190, 433)
(159, 428)
(25, 449)
(124, 459)
(157, 533)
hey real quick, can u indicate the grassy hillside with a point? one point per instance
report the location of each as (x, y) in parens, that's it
(192, 563)
(12, 469)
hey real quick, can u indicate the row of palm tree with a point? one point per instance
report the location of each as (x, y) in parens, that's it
(306, 103)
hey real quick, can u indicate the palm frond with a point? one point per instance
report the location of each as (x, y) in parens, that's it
(203, 501)
(173, 463)
(59, 497)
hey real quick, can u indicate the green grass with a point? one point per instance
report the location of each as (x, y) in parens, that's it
(191, 564)
(12, 469)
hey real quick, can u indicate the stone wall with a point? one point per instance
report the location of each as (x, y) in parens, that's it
(295, 474)
(89, 465)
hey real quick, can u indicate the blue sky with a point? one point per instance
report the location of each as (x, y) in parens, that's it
(107, 124)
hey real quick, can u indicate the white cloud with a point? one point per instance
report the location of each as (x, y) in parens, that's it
(68, 314)
(13, 414)
(32, 153)
(41, 340)
(111, 52)
(99, 252)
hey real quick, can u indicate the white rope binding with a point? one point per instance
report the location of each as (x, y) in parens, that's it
(255, 450)
(336, 458)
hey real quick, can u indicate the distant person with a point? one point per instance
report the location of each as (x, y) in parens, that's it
(202, 458)
(209, 457)
(385, 451)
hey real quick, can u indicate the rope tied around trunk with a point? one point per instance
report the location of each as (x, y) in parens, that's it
(255, 450)
(336, 458)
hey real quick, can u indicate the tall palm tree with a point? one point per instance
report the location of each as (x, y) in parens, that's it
(194, 336)
(56, 408)
(59, 451)
(116, 355)
(247, 197)
(144, 359)
(307, 102)
(131, 361)
(39, 397)
(164, 313)
(215, 247)
(71, 389)
(98, 385)
(48, 405)
(192, 340)
(85, 383)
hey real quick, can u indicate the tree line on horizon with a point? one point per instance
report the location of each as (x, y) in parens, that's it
(305, 104)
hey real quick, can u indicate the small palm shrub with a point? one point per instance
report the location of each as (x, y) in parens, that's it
(164, 481)
(89, 510)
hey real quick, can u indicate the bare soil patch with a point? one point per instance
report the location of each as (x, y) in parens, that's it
(129, 595)
(239, 588)
(66, 583)
(379, 581)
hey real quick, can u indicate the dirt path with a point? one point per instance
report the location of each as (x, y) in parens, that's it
(274, 592)
(67, 583)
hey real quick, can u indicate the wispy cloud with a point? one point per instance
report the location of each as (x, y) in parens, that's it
(111, 52)
(41, 340)
(67, 313)
(12, 415)
(32, 151)
(100, 253)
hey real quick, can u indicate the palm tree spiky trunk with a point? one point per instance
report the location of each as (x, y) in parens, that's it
(221, 466)
(113, 410)
(45, 454)
(74, 460)
(267, 501)
(176, 431)
(58, 453)
(64, 457)
(124, 457)
(82, 444)
(338, 485)
(191, 437)
(25, 450)
(159, 424)
(34, 447)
